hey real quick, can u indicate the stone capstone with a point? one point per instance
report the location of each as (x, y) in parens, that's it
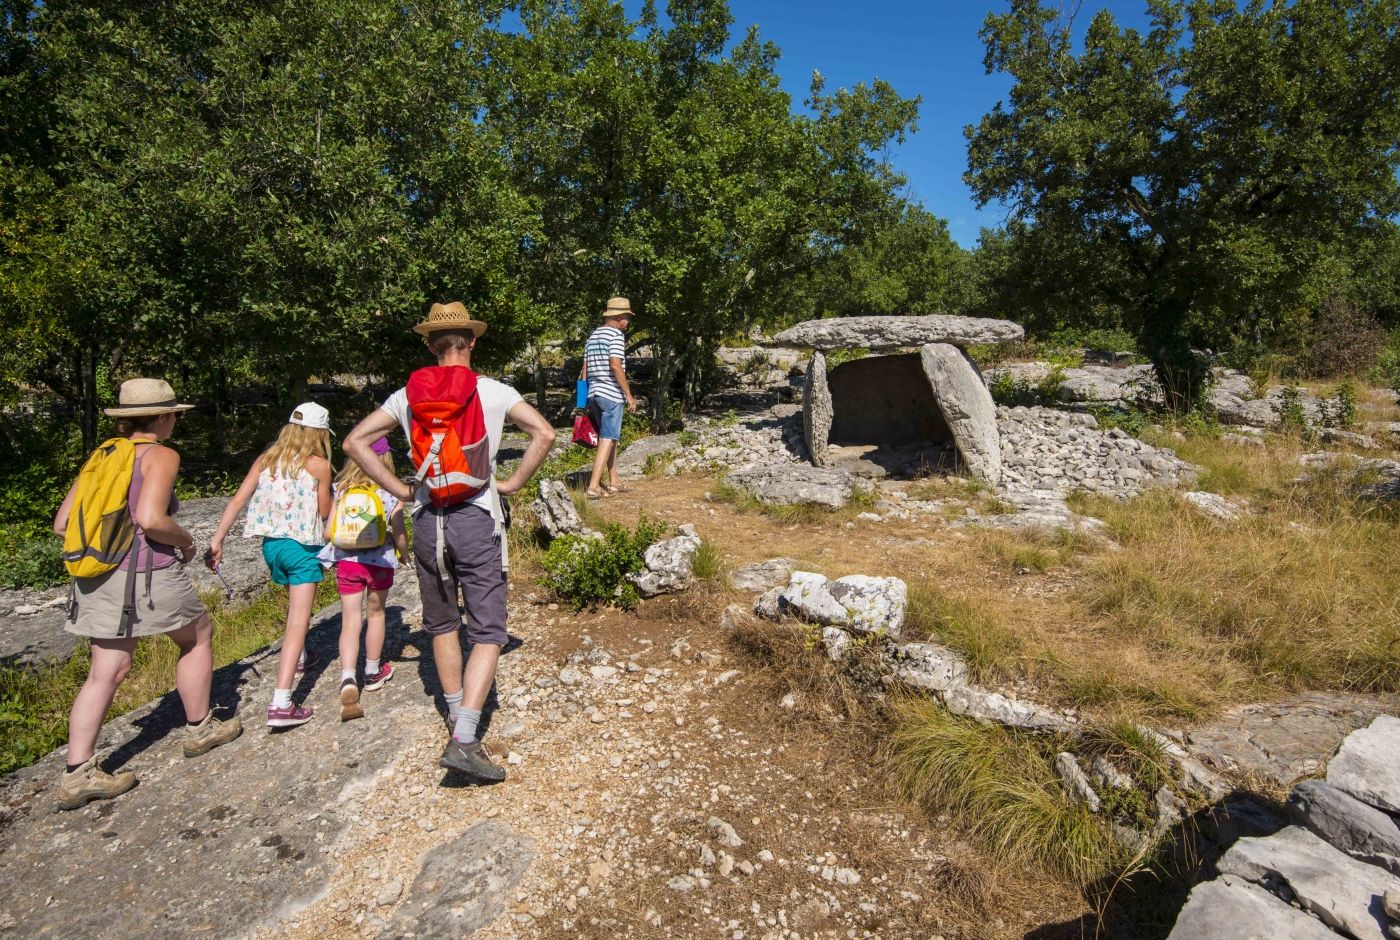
(1232, 908)
(817, 413)
(669, 564)
(795, 484)
(967, 407)
(1345, 894)
(465, 884)
(1342, 819)
(1368, 764)
(859, 603)
(887, 333)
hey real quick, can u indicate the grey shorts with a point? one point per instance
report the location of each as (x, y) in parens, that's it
(473, 558)
(171, 603)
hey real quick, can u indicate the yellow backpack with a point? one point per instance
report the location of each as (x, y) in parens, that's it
(100, 531)
(357, 521)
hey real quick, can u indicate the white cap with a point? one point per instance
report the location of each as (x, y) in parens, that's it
(311, 415)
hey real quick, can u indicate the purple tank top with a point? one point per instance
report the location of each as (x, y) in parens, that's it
(161, 555)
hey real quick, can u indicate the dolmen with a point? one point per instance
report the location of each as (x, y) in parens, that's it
(912, 382)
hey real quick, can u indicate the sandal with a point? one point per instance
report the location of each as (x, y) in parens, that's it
(617, 489)
(592, 495)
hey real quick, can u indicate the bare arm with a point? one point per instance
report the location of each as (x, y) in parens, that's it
(158, 469)
(236, 505)
(357, 447)
(620, 374)
(524, 416)
(60, 518)
(400, 534)
(320, 470)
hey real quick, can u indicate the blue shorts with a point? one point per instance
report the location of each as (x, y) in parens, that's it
(610, 428)
(290, 562)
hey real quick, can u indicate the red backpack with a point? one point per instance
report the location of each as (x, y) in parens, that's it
(448, 434)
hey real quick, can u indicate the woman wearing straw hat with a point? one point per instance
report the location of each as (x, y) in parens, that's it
(168, 602)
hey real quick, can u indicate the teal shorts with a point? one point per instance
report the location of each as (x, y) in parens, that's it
(291, 562)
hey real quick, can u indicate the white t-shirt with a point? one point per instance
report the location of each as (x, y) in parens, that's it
(496, 399)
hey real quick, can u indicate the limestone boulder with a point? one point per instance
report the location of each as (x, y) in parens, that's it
(555, 511)
(762, 576)
(885, 333)
(795, 484)
(465, 884)
(967, 407)
(1343, 820)
(973, 701)
(1368, 764)
(930, 666)
(1342, 892)
(1231, 908)
(858, 603)
(1075, 782)
(1213, 505)
(817, 412)
(669, 564)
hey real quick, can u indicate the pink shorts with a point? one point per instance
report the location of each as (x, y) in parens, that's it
(351, 577)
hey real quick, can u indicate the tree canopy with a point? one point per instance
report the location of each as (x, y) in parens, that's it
(1212, 179)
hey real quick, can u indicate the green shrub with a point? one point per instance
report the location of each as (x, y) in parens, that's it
(1292, 418)
(1339, 411)
(1386, 371)
(587, 572)
(30, 557)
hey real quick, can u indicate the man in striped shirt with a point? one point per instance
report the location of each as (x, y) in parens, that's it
(605, 367)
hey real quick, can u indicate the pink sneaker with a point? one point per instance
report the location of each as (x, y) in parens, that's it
(290, 716)
(376, 681)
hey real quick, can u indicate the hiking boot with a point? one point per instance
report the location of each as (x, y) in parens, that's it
(290, 716)
(350, 701)
(210, 733)
(376, 681)
(472, 760)
(90, 782)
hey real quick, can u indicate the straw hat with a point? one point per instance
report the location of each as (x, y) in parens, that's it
(618, 307)
(451, 316)
(142, 397)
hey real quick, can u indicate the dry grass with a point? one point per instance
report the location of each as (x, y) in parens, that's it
(1003, 788)
(977, 630)
(744, 501)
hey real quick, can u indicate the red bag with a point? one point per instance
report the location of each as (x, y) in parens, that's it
(447, 436)
(584, 431)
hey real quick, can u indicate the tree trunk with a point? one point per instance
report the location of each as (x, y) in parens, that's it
(1183, 373)
(666, 365)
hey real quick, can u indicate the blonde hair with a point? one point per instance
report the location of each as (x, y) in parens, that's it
(352, 474)
(287, 455)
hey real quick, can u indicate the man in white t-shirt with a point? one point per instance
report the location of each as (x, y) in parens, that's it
(471, 556)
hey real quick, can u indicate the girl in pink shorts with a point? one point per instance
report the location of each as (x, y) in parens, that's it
(368, 570)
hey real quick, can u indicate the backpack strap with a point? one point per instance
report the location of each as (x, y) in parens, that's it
(430, 457)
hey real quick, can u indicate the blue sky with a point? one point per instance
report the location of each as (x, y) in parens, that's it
(921, 47)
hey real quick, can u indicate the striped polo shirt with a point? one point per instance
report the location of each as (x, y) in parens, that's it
(604, 344)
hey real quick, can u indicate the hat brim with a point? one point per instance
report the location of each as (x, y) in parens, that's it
(143, 411)
(429, 327)
(618, 314)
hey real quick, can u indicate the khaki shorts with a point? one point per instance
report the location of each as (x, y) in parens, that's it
(171, 604)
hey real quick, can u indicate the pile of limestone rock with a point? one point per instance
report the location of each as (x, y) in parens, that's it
(1334, 872)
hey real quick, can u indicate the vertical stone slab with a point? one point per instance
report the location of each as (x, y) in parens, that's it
(817, 411)
(967, 406)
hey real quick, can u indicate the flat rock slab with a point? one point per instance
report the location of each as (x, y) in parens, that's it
(886, 333)
(1343, 820)
(795, 484)
(632, 461)
(817, 411)
(967, 407)
(1284, 741)
(1342, 892)
(1368, 764)
(1231, 908)
(464, 884)
(220, 844)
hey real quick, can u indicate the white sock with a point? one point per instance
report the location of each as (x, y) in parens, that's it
(371, 666)
(454, 705)
(464, 728)
(281, 698)
(347, 675)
